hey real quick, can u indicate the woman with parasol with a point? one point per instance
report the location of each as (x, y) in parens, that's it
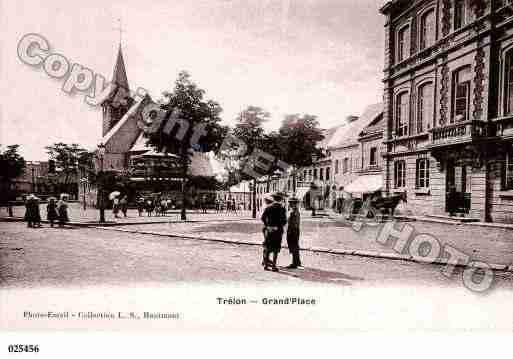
(62, 209)
(114, 197)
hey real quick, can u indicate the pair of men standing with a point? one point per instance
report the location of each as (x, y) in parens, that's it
(274, 218)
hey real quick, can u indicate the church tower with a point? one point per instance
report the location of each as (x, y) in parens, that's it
(119, 101)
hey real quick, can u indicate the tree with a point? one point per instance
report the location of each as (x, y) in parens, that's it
(12, 165)
(187, 115)
(296, 142)
(249, 130)
(67, 159)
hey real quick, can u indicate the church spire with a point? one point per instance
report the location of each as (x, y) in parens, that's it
(119, 75)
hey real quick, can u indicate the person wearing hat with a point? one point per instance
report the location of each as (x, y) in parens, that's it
(30, 210)
(62, 210)
(51, 211)
(293, 233)
(274, 219)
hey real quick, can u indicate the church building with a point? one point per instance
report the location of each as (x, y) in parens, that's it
(126, 150)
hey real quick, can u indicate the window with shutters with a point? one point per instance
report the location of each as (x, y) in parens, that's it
(424, 107)
(373, 160)
(422, 173)
(401, 114)
(321, 174)
(403, 43)
(427, 29)
(328, 174)
(345, 165)
(508, 83)
(400, 174)
(337, 165)
(461, 94)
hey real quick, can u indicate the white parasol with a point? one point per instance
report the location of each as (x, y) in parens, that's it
(114, 194)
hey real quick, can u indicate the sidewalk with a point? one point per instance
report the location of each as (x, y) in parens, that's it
(90, 216)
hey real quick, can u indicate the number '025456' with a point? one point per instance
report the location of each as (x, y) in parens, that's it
(23, 348)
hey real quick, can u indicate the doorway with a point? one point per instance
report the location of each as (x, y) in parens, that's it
(458, 196)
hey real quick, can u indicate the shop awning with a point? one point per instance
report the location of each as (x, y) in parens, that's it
(301, 192)
(365, 184)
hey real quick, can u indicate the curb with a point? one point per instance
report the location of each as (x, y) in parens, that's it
(358, 253)
(115, 224)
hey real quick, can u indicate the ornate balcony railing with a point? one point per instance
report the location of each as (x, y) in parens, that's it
(458, 132)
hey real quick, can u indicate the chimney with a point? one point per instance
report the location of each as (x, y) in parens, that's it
(351, 118)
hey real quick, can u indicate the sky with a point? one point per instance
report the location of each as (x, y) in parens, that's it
(321, 57)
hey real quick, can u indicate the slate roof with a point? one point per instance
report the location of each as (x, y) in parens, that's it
(120, 79)
(129, 116)
(328, 135)
(347, 135)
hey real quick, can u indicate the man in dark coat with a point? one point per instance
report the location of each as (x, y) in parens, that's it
(30, 210)
(274, 218)
(293, 233)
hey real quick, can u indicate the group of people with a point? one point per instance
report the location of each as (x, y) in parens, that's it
(120, 205)
(274, 218)
(157, 206)
(56, 211)
(230, 205)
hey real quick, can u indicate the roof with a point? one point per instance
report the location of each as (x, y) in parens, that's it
(119, 79)
(328, 134)
(134, 110)
(375, 127)
(140, 144)
(347, 135)
(119, 74)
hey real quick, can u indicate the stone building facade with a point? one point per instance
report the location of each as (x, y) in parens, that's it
(448, 110)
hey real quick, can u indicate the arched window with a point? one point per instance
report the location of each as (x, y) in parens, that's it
(508, 83)
(461, 94)
(401, 114)
(424, 107)
(427, 29)
(403, 43)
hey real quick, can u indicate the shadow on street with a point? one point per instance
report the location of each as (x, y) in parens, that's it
(320, 276)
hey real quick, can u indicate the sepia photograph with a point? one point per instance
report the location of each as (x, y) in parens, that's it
(256, 165)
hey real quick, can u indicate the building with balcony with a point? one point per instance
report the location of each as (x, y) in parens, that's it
(448, 111)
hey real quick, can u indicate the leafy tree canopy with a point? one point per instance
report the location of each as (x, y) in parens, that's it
(187, 102)
(12, 164)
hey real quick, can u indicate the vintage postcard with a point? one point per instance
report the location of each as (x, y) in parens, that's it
(256, 165)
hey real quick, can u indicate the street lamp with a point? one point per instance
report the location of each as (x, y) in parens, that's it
(101, 156)
(83, 180)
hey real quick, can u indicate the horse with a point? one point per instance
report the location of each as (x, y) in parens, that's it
(389, 204)
(149, 205)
